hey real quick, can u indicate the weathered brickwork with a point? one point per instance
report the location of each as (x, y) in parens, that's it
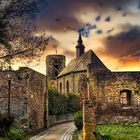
(28, 89)
(89, 120)
(108, 86)
(54, 65)
(82, 89)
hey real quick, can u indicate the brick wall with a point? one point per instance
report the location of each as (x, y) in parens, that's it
(107, 86)
(28, 89)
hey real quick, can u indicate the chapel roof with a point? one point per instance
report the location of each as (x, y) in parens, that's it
(79, 64)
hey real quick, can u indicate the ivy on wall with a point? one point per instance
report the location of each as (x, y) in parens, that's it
(62, 104)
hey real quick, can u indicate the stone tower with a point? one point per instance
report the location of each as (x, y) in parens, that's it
(80, 48)
(54, 65)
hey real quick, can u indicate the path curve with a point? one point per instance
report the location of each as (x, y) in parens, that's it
(59, 132)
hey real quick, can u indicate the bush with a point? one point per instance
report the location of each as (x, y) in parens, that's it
(73, 103)
(6, 122)
(16, 133)
(78, 120)
(62, 104)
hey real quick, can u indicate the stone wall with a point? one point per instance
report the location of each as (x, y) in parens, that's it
(54, 65)
(72, 79)
(107, 86)
(28, 89)
(37, 98)
(82, 89)
(105, 89)
(18, 95)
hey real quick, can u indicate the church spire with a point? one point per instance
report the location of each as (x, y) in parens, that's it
(80, 48)
(80, 41)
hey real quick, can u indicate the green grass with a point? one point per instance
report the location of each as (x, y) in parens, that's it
(115, 132)
(119, 132)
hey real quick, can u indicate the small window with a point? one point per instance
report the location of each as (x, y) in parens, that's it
(55, 61)
(60, 87)
(125, 97)
(67, 86)
(56, 70)
(56, 73)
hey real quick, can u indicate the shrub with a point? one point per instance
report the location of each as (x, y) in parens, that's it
(73, 103)
(62, 104)
(16, 133)
(78, 120)
(6, 122)
(57, 102)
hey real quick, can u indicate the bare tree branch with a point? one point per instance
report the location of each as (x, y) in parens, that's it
(17, 32)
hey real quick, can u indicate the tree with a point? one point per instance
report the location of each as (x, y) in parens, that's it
(18, 33)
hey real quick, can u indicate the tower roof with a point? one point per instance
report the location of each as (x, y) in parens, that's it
(80, 39)
(80, 42)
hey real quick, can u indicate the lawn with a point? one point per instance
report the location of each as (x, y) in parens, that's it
(115, 132)
(119, 132)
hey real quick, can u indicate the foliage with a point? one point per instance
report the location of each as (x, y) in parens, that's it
(62, 104)
(78, 120)
(77, 134)
(15, 133)
(18, 39)
(119, 132)
(73, 102)
(6, 122)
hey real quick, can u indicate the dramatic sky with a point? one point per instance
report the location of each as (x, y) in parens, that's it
(111, 28)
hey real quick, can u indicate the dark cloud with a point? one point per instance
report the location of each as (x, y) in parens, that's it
(59, 14)
(139, 4)
(85, 31)
(119, 8)
(108, 19)
(99, 31)
(126, 43)
(98, 18)
(137, 54)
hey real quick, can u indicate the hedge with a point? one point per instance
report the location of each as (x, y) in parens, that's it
(62, 104)
(78, 120)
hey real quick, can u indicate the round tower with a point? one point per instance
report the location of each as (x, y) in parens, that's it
(54, 65)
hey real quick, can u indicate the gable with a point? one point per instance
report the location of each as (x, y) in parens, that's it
(80, 63)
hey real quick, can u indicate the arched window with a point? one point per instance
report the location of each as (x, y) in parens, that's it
(67, 87)
(125, 97)
(60, 87)
(56, 73)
